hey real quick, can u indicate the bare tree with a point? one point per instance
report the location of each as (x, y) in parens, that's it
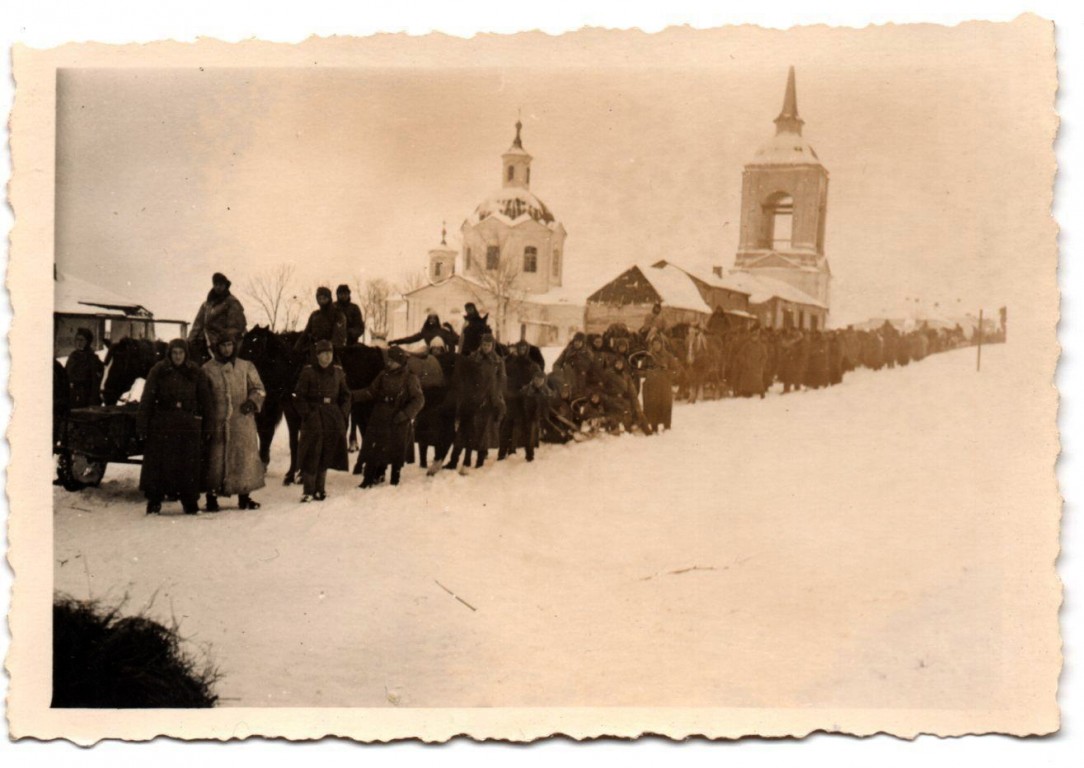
(373, 298)
(501, 282)
(271, 293)
(412, 281)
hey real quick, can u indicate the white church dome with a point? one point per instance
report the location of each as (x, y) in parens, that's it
(513, 203)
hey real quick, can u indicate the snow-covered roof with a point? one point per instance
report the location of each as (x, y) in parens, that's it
(513, 204)
(74, 295)
(708, 277)
(561, 295)
(675, 288)
(762, 288)
(786, 148)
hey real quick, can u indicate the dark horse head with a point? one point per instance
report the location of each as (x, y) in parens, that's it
(129, 359)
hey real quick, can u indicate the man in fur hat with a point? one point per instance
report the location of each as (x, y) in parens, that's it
(233, 465)
(327, 323)
(221, 312)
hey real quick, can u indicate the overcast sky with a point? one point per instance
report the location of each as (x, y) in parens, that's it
(932, 138)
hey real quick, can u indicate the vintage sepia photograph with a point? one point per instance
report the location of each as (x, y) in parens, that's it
(681, 379)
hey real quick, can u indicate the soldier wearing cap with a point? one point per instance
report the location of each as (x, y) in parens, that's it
(322, 399)
(389, 435)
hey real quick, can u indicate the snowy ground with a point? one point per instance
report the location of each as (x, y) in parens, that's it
(686, 569)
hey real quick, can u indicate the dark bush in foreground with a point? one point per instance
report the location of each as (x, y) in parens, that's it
(102, 659)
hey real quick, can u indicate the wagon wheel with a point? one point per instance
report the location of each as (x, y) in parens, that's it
(86, 471)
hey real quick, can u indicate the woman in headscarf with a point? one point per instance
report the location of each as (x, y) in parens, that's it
(322, 399)
(176, 399)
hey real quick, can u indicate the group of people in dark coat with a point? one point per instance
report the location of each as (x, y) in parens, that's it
(199, 428)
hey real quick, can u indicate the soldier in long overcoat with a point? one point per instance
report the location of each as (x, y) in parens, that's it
(816, 372)
(479, 403)
(752, 357)
(322, 399)
(176, 399)
(84, 370)
(389, 436)
(659, 374)
(520, 370)
(222, 312)
(233, 463)
(427, 367)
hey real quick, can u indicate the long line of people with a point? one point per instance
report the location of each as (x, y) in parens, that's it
(464, 395)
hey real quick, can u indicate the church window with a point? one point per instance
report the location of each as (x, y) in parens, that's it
(778, 221)
(556, 262)
(511, 172)
(437, 268)
(493, 257)
(530, 259)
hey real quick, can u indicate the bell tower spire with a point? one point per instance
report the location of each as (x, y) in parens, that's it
(516, 163)
(788, 120)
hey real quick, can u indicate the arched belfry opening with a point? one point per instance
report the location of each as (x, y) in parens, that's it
(778, 222)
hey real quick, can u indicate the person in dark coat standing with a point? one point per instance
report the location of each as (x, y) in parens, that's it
(176, 398)
(327, 323)
(222, 312)
(389, 436)
(355, 323)
(475, 326)
(323, 400)
(752, 358)
(431, 329)
(660, 370)
(816, 372)
(479, 403)
(84, 369)
(520, 371)
(440, 426)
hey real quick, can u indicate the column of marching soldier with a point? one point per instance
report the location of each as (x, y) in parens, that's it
(462, 395)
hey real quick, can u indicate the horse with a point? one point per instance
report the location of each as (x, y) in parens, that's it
(129, 359)
(701, 354)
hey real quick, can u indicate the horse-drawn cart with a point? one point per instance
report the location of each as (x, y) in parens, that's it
(91, 438)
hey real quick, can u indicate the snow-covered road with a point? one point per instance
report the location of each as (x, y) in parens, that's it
(870, 521)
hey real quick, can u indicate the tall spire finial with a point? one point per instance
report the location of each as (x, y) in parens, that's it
(518, 141)
(443, 233)
(788, 120)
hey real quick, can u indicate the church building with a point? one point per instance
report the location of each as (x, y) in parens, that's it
(512, 261)
(783, 209)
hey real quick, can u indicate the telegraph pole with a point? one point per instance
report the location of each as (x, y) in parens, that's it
(978, 363)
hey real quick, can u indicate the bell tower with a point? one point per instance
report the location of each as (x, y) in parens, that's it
(783, 209)
(516, 163)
